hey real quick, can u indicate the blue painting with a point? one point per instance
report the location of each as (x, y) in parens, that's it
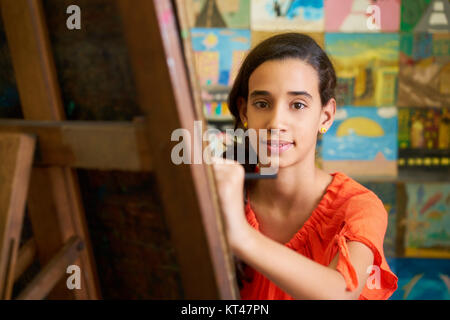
(421, 279)
(219, 53)
(428, 218)
(362, 133)
(218, 56)
(300, 15)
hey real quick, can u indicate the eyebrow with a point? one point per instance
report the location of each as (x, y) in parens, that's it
(291, 93)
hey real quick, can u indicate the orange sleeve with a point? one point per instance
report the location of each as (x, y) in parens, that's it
(366, 222)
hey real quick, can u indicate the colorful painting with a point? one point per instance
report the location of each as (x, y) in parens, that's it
(421, 279)
(424, 76)
(366, 67)
(411, 12)
(218, 56)
(362, 15)
(362, 142)
(427, 219)
(299, 15)
(387, 192)
(218, 13)
(425, 16)
(424, 128)
(424, 138)
(219, 53)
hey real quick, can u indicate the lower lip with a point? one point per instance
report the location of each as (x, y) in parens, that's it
(280, 148)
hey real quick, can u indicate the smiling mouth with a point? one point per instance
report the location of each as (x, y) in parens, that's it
(276, 143)
(278, 146)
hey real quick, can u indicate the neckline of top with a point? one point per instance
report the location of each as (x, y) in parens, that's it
(324, 202)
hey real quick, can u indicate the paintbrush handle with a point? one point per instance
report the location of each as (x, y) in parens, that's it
(255, 176)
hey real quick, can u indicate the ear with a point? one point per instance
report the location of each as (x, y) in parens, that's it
(327, 115)
(242, 106)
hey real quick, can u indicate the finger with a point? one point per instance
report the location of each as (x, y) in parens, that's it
(224, 161)
(217, 160)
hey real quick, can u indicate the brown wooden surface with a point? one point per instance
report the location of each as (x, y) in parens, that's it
(92, 63)
(16, 154)
(54, 204)
(101, 145)
(25, 258)
(187, 191)
(47, 278)
(189, 55)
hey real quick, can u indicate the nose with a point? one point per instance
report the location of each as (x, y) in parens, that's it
(278, 118)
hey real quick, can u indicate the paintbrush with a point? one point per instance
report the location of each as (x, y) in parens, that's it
(256, 176)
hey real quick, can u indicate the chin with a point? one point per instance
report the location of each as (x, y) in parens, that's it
(285, 162)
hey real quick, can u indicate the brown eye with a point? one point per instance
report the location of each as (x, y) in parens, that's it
(299, 105)
(261, 104)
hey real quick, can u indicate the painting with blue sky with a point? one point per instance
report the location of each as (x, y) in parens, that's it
(361, 133)
(299, 15)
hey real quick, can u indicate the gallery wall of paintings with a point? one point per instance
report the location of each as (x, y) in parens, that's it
(391, 131)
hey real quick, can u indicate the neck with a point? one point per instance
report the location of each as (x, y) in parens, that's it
(298, 186)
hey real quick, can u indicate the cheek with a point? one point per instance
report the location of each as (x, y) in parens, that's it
(309, 125)
(305, 136)
(257, 119)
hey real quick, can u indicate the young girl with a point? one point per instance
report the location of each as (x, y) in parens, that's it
(306, 234)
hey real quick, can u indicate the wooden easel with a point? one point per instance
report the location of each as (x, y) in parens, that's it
(54, 202)
(16, 154)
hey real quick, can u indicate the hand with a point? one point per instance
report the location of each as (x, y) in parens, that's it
(229, 176)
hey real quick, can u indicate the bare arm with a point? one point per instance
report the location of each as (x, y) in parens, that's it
(298, 276)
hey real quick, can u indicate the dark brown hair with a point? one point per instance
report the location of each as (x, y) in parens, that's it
(280, 47)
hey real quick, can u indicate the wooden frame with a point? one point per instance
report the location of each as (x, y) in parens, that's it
(16, 152)
(194, 219)
(99, 145)
(54, 201)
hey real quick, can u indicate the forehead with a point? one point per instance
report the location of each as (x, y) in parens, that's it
(282, 76)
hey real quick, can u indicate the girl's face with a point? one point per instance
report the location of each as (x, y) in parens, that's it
(284, 95)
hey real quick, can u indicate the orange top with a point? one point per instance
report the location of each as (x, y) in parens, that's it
(347, 212)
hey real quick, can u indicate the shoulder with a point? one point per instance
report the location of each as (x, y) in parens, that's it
(357, 203)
